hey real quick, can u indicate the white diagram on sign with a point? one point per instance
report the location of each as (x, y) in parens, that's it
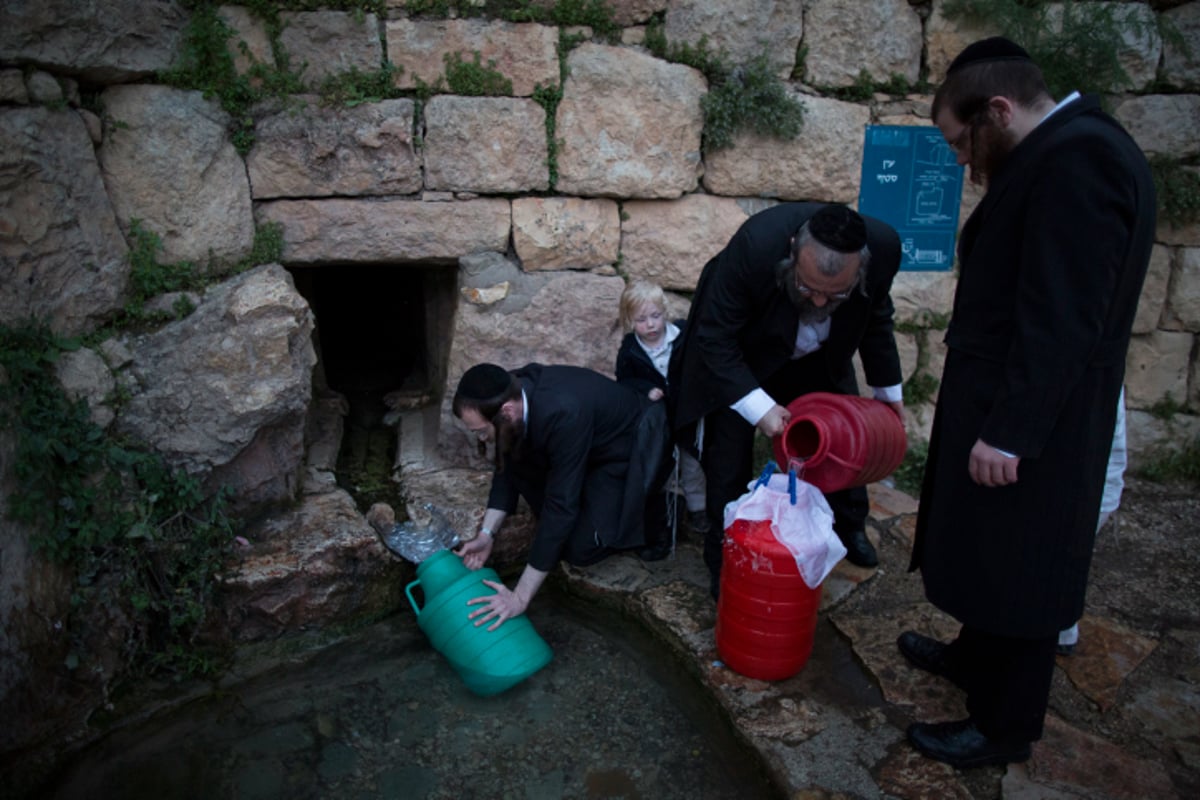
(929, 257)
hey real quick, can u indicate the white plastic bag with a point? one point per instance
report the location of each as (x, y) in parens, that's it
(804, 527)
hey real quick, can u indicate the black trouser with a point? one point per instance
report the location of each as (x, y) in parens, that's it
(1007, 681)
(728, 466)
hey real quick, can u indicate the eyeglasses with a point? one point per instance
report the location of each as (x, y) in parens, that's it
(959, 143)
(808, 291)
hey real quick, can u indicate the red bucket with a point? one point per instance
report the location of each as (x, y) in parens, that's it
(843, 440)
(766, 613)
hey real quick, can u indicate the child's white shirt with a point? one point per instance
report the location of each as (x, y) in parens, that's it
(660, 356)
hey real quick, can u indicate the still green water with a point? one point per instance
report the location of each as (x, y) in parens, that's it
(382, 715)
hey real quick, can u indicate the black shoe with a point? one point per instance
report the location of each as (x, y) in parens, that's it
(927, 654)
(698, 522)
(859, 550)
(656, 552)
(962, 745)
(1064, 649)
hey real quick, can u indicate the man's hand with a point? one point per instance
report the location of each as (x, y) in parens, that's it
(989, 467)
(774, 421)
(475, 552)
(655, 394)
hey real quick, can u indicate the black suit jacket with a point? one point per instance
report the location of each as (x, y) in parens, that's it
(581, 456)
(742, 326)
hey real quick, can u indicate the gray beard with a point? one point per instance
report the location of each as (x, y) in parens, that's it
(810, 314)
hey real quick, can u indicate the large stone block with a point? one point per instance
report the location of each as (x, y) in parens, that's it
(1156, 368)
(1154, 291)
(629, 125)
(822, 163)
(525, 53)
(845, 37)
(250, 43)
(668, 242)
(364, 150)
(222, 393)
(1181, 61)
(110, 42)
(168, 161)
(321, 44)
(740, 30)
(1149, 436)
(387, 230)
(1183, 301)
(945, 38)
(61, 251)
(920, 296)
(490, 145)
(1163, 124)
(565, 232)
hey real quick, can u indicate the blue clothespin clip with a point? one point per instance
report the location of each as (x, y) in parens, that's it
(768, 470)
(795, 466)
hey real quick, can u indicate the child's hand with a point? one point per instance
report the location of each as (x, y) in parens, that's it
(656, 393)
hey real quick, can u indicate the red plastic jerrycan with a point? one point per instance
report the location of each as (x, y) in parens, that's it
(843, 440)
(766, 613)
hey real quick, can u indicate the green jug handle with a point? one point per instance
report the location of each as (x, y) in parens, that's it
(408, 591)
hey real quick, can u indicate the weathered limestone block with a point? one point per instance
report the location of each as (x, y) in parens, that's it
(1141, 45)
(945, 38)
(1138, 53)
(250, 43)
(1148, 436)
(62, 255)
(822, 163)
(1157, 368)
(1154, 291)
(167, 160)
(1163, 123)
(548, 317)
(44, 88)
(845, 37)
(1185, 233)
(565, 232)
(109, 42)
(324, 43)
(12, 87)
(525, 53)
(669, 242)
(635, 12)
(919, 295)
(1183, 300)
(742, 29)
(490, 145)
(364, 150)
(1181, 63)
(84, 375)
(629, 125)
(318, 563)
(222, 394)
(386, 230)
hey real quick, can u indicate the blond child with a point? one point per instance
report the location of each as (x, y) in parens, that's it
(642, 363)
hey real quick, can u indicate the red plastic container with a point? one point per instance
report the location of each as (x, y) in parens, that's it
(766, 613)
(843, 440)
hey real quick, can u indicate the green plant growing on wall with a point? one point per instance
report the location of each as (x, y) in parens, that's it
(473, 79)
(911, 472)
(142, 541)
(1178, 465)
(1076, 44)
(356, 87)
(750, 98)
(1178, 188)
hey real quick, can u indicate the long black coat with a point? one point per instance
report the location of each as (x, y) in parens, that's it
(1052, 264)
(593, 448)
(742, 327)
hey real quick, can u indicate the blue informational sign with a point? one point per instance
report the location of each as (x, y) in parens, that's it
(911, 181)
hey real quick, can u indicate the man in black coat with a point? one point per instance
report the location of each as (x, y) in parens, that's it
(1052, 263)
(778, 313)
(583, 450)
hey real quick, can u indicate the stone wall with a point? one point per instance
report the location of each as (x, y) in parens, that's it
(628, 193)
(540, 232)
